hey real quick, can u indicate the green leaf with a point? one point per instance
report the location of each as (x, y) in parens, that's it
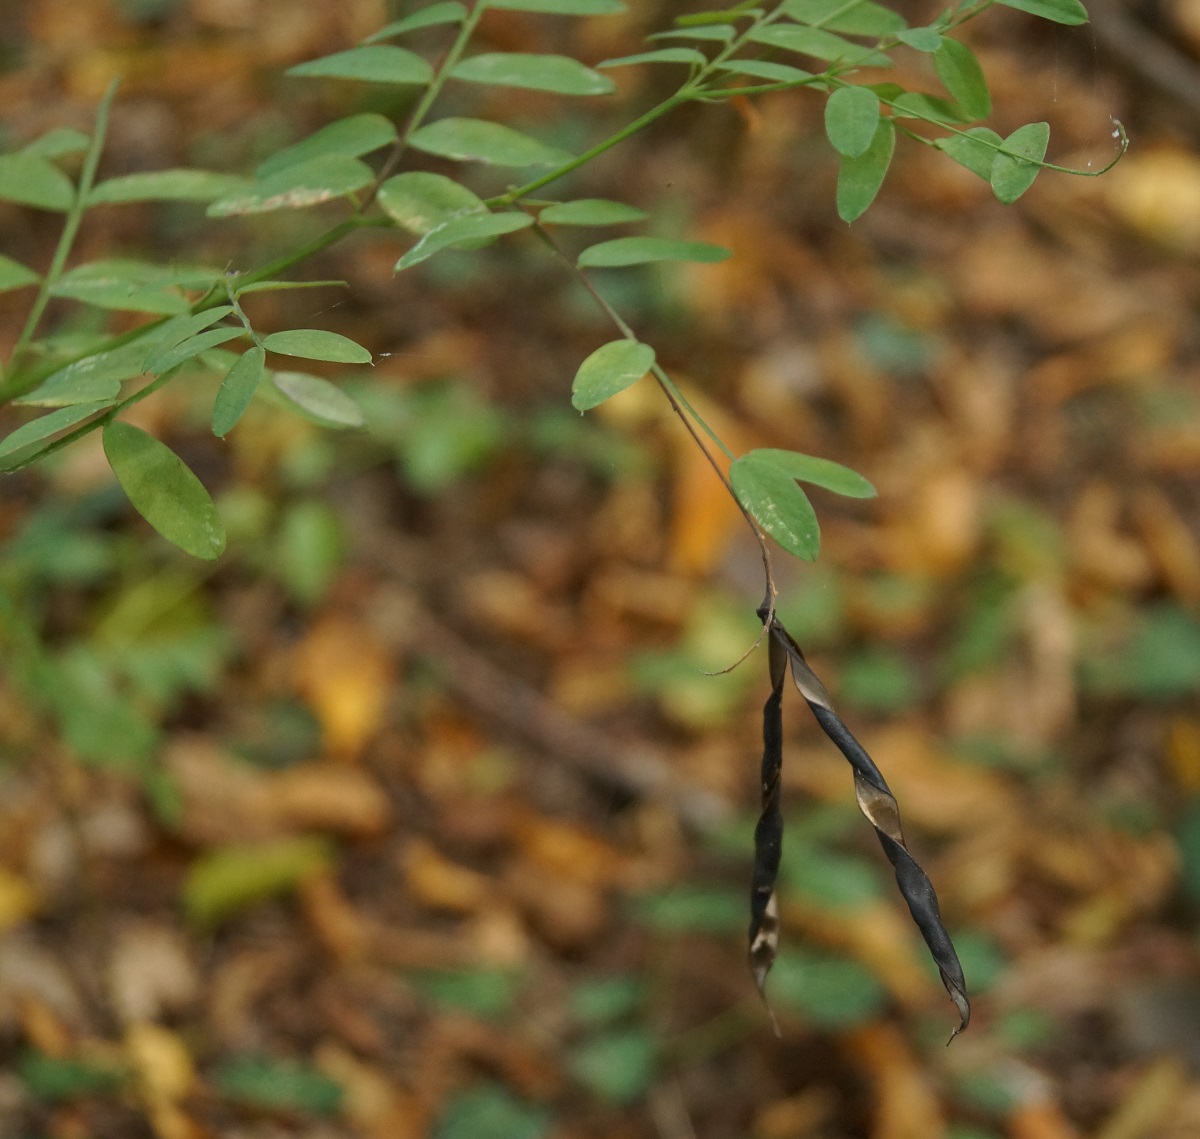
(851, 116)
(612, 368)
(418, 201)
(316, 344)
(918, 105)
(829, 992)
(743, 11)
(55, 1079)
(31, 180)
(686, 55)
(623, 251)
(450, 12)
(374, 63)
(820, 472)
(58, 143)
(224, 881)
(778, 504)
(1012, 176)
(693, 909)
(237, 390)
(277, 1085)
(859, 178)
(1157, 658)
(557, 73)
(181, 328)
(606, 999)
(562, 7)
(486, 993)
(717, 33)
(481, 141)
(815, 42)
(921, 39)
(490, 1111)
(352, 137)
(46, 425)
(297, 187)
(969, 150)
(163, 490)
(309, 550)
(14, 275)
(89, 380)
(128, 286)
(765, 69)
(163, 361)
(462, 229)
(959, 70)
(318, 399)
(618, 1067)
(590, 211)
(862, 19)
(1060, 11)
(177, 185)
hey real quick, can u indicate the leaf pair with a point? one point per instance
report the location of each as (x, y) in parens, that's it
(876, 802)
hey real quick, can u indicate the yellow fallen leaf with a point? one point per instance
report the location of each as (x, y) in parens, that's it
(17, 900)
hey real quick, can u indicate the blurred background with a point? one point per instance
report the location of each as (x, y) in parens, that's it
(417, 814)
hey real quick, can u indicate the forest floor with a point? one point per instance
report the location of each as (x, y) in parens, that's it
(419, 814)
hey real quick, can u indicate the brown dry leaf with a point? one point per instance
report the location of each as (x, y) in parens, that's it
(338, 925)
(225, 800)
(1157, 192)
(567, 851)
(346, 675)
(375, 1108)
(1170, 542)
(1041, 1119)
(797, 1117)
(1182, 750)
(435, 881)
(17, 900)
(150, 972)
(905, 1104)
(569, 915)
(1100, 549)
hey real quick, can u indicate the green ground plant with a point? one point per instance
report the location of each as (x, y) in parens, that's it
(365, 170)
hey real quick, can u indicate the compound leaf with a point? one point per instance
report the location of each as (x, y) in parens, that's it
(237, 390)
(959, 70)
(418, 201)
(14, 275)
(450, 12)
(777, 503)
(352, 136)
(318, 400)
(163, 490)
(590, 211)
(1060, 11)
(297, 187)
(687, 55)
(46, 425)
(177, 185)
(820, 472)
(463, 229)
(970, 150)
(31, 180)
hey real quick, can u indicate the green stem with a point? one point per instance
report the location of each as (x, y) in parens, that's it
(70, 228)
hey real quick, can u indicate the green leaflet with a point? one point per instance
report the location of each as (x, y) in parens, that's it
(765, 69)
(862, 19)
(1060, 11)
(31, 180)
(859, 178)
(352, 137)
(612, 368)
(181, 328)
(851, 116)
(820, 472)
(92, 379)
(590, 211)
(624, 251)
(418, 201)
(36, 430)
(318, 400)
(14, 275)
(959, 70)
(450, 12)
(178, 185)
(970, 150)
(297, 187)
(556, 73)
(163, 361)
(562, 7)
(1012, 176)
(373, 63)
(316, 344)
(237, 390)
(57, 143)
(775, 500)
(163, 490)
(816, 42)
(686, 55)
(482, 141)
(718, 33)
(468, 228)
(921, 39)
